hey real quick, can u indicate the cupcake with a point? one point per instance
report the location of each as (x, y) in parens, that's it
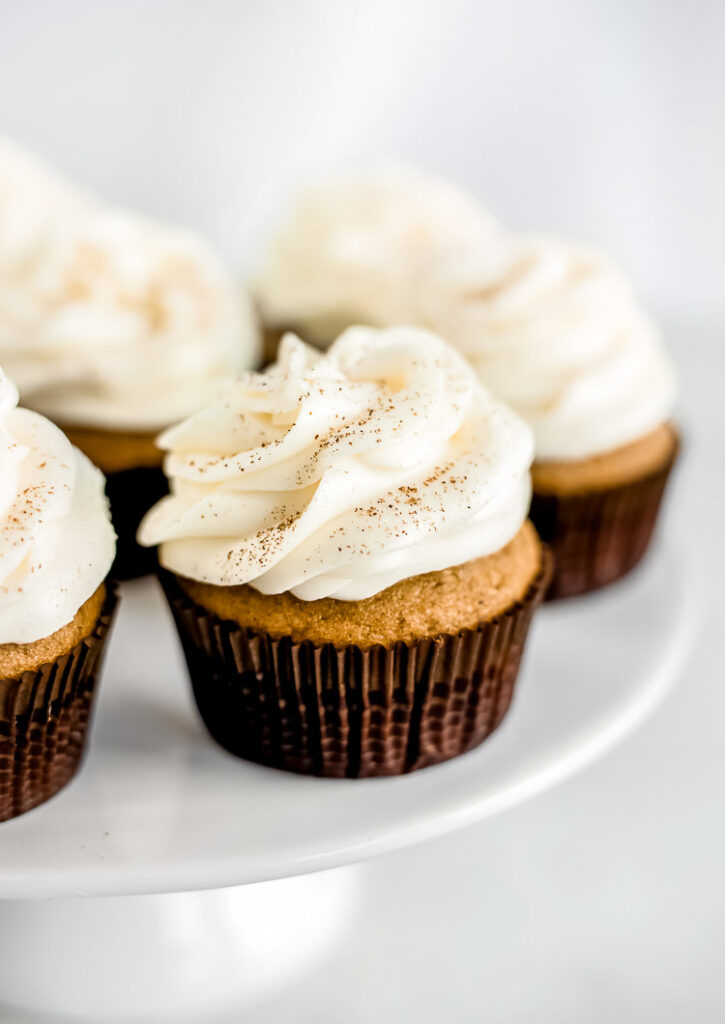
(553, 328)
(354, 249)
(56, 548)
(347, 556)
(114, 326)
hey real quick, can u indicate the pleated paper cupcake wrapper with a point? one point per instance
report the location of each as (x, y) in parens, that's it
(598, 537)
(131, 493)
(44, 717)
(351, 712)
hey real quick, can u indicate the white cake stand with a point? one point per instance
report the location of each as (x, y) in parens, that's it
(158, 808)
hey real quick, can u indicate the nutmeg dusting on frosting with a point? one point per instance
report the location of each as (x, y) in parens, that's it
(379, 460)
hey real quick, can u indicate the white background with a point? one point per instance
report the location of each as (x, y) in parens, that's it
(599, 118)
(605, 899)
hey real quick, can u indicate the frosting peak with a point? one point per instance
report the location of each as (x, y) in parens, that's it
(337, 475)
(56, 539)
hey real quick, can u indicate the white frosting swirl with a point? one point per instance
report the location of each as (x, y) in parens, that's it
(553, 329)
(109, 319)
(56, 539)
(356, 248)
(337, 475)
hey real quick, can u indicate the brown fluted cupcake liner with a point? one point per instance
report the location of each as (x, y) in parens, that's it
(44, 716)
(598, 537)
(131, 493)
(351, 712)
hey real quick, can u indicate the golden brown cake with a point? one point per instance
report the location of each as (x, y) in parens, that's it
(628, 464)
(114, 451)
(417, 608)
(15, 659)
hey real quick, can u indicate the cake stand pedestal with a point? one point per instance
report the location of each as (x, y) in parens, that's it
(158, 809)
(184, 956)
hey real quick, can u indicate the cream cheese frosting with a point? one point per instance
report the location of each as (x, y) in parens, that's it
(339, 474)
(356, 248)
(109, 319)
(553, 328)
(56, 539)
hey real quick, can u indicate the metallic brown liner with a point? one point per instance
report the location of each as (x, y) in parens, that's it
(597, 537)
(351, 712)
(44, 716)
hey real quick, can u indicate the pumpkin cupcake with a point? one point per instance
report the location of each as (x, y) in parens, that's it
(56, 548)
(347, 556)
(114, 326)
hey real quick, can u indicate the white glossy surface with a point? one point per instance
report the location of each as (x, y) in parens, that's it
(183, 955)
(158, 807)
